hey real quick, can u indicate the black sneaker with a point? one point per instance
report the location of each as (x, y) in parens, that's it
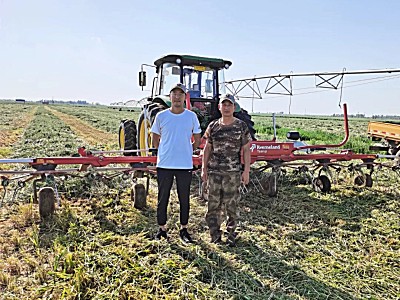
(185, 236)
(161, 234)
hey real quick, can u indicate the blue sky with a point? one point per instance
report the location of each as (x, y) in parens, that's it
(92, 50)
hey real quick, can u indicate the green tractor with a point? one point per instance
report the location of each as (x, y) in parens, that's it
(204, 80)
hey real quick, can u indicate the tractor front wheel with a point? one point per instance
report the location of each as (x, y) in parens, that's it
(146, 120)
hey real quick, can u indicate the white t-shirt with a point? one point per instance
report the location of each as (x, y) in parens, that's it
(175, 149)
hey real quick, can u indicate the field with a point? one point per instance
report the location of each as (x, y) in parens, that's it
(299, 245)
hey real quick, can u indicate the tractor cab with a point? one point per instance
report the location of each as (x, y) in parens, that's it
(204, 80)
(202, 76)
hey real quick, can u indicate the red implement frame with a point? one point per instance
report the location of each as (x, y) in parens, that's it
(267, 151)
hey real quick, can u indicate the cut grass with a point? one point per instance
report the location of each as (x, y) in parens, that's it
(299, 245)
(101, 117)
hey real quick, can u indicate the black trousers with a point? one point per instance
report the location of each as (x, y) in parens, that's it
(165, 178)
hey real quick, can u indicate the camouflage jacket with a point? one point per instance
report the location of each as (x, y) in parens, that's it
(226, 142)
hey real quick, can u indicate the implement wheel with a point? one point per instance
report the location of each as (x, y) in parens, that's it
(269, 185)
(368, 180)
(46, 202)
(321, 184)
(273, 186)
(127, 136)
(138, 195)
(359, 180)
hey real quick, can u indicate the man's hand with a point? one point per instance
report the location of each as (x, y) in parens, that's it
(204, 175)
(245, 177)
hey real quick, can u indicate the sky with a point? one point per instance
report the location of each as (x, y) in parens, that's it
(93, 49)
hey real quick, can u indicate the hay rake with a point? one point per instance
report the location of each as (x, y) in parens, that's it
(270, 160)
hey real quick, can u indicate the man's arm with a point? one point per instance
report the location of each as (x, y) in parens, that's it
(246, 159)
(155, 140)
(197, 140)
(206, 157)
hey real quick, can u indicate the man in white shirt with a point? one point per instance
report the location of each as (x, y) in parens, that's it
(172, 132)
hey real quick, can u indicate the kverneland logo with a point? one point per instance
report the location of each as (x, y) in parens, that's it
(264, 147)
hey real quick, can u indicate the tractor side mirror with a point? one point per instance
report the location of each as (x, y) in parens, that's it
(142, 78)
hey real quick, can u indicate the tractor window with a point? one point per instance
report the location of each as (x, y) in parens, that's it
(221, 79)
(170, 76)
(199, 81)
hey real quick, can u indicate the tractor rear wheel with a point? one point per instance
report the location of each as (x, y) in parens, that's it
(145, 123)
(127, 137)
(245, 117)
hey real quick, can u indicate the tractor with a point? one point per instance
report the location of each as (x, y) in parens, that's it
(204, 79)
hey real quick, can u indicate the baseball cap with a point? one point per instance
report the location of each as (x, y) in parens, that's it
(228, 97)
(179, 86)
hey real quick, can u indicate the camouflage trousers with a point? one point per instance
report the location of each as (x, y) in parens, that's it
(223, 199)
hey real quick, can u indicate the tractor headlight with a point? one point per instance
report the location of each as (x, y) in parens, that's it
(178, 61)
(226, 66)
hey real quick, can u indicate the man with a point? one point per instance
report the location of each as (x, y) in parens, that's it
(226, 138)
(172, 131)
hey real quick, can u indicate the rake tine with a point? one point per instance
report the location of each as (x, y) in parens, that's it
(57, 195)
(256, 182)
(243, 189)
(3, 199)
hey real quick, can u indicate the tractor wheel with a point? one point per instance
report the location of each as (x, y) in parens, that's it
(244, 116)
(46, 202)
(145, 124)
(127, 137)
(368, 180)
(138, 196)
(359, 180)
(321, 184)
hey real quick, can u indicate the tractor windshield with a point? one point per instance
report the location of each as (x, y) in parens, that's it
(199, 80)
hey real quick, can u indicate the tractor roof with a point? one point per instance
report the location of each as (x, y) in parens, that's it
(193, 60)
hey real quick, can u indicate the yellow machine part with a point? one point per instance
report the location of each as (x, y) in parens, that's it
(384, 130)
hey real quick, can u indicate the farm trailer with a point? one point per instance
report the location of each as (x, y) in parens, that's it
(388, 132)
